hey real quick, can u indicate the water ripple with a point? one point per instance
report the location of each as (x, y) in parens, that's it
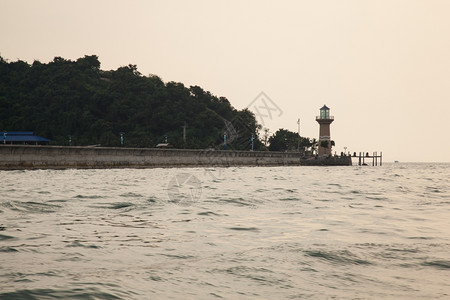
(272, 233)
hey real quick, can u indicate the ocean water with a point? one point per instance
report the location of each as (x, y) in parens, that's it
(226, 233)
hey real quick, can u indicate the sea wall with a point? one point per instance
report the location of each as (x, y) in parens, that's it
(327, 161)
(55, 157)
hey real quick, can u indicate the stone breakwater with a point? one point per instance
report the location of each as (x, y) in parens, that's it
(54, 157)
(60, 157)
(327, 161)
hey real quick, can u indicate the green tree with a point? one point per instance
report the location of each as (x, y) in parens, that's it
(283, 140)
(324, 144)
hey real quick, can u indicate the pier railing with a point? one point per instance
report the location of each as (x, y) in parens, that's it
(362, 156)
(329, 118)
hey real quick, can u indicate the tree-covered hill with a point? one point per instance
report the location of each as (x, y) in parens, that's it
(76, 98)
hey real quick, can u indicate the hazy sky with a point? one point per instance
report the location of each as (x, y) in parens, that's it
(382, 66)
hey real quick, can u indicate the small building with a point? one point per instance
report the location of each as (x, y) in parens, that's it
(22, 137)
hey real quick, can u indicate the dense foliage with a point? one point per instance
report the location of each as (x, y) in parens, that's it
(285, 140)
(94, 107)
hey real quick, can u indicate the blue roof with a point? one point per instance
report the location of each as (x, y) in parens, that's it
(324, 107)
(22, 136)
(18, 132)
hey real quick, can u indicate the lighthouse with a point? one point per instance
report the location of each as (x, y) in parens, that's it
(324, 120)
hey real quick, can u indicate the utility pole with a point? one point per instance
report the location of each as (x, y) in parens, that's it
(253, 146)
(266, 135)
(121, 138)
(298, 122)
(184, 133)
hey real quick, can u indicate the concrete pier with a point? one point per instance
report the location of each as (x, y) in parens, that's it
(327, 161)
(60, 157)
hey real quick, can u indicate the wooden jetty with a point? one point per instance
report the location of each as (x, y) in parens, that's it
(362, 157)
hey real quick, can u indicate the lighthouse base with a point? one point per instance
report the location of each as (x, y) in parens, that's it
(326, 161)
